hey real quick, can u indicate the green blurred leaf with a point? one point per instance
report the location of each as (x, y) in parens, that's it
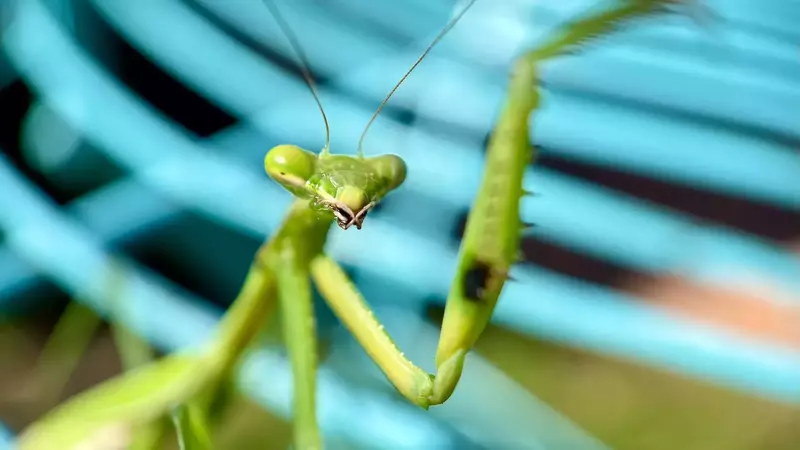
(113, 409)
(65, 347)
(133, 351)
(191, 427)
(150, 436)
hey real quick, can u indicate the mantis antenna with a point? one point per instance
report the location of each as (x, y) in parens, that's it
(304, 66)
(436, 40)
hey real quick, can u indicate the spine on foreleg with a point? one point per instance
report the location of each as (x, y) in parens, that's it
(492, 235)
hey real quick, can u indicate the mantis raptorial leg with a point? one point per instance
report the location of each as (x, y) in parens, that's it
(343, 189)
(348, 304)
(493, 231)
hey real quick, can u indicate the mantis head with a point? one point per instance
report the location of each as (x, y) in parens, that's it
(347, 186)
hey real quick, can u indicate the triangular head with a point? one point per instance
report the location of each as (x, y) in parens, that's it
(347, 186)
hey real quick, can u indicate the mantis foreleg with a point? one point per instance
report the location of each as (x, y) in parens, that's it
(249, 310)
(246, 316)
(348, 304)
(493, 231)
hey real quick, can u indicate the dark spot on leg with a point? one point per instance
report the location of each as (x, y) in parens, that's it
(475, 281)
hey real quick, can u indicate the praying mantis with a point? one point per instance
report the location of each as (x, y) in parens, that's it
(338, 188)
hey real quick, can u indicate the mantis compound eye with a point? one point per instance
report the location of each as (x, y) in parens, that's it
(391, 168)
(291, 166)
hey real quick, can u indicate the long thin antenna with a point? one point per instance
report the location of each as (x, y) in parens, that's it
(436, 40)
(304, 66)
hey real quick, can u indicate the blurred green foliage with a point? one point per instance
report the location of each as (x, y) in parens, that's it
(628, 406)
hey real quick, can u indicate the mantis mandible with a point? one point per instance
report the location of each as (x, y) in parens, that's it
(343, 189)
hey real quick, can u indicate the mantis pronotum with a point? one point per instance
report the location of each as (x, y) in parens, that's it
(331, 187)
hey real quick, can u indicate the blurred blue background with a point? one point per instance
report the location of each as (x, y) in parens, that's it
(659, 302)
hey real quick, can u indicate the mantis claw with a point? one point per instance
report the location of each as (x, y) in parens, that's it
(447, 375)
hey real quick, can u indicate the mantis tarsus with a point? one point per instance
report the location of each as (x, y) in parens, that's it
(343, 189)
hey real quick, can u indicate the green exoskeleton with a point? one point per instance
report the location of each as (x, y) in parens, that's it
(330, 187)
